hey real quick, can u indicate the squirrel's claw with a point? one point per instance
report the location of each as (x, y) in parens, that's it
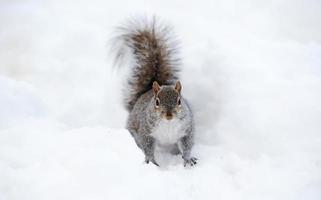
(151, 160)
(191, 161)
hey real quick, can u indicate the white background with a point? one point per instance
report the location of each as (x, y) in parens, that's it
(251, 71)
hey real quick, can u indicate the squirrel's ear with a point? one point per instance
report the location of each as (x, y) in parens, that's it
(156, 87)
(178, 86)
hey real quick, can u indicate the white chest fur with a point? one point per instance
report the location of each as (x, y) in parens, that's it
(168, 132)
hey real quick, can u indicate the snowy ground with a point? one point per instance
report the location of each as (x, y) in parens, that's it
(252, 72)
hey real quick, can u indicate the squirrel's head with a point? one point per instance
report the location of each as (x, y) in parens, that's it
(167, 100)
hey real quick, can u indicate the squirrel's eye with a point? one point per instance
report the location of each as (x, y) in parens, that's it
(157, 102)
(179, 101)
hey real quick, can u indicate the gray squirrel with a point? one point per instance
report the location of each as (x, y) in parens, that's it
(159, 116)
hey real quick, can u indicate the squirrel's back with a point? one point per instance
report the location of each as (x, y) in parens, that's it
(154, 52)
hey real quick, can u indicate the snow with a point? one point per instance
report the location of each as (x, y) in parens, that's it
(251, 73)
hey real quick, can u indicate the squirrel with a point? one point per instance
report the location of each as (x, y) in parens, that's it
(159, 116)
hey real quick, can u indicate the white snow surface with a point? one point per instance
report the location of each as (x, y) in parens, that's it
(251, 71)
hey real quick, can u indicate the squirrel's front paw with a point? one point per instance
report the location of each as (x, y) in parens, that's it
(191, 161)
(147, 160)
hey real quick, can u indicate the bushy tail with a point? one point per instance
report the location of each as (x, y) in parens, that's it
(153, 49)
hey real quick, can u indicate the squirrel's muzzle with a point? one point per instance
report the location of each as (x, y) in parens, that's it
(169, 115)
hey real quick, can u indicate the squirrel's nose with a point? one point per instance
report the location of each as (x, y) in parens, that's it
(169, 115)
